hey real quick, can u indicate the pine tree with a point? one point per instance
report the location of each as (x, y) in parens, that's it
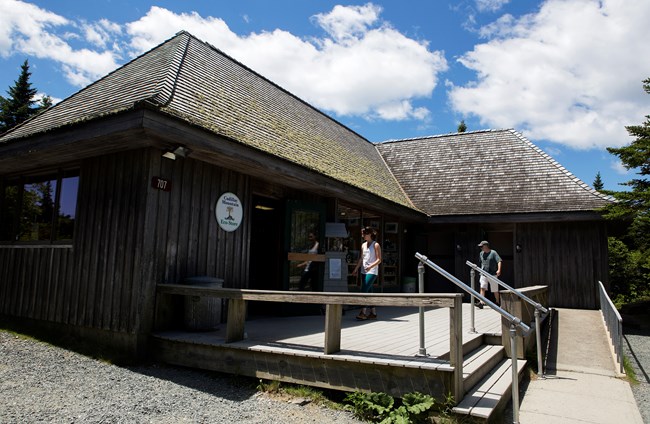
(598, 182)
(462, 127)
(635, 204)
(19, 106)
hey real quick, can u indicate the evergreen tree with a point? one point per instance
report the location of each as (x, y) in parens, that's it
(598, 182)
(629, 265)
(462, 127)
(19, 106)
(635, 204)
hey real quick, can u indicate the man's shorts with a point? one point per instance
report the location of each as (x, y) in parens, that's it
(494, 287)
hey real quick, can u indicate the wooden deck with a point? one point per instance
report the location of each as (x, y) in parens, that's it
(375, 355)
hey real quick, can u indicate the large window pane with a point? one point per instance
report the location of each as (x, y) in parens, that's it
(37, 211)
(39, 208)
(67, 208)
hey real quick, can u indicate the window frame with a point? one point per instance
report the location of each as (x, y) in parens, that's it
(58, 175)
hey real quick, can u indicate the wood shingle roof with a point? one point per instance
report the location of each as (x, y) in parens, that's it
(474, 173)
(485, 172)
(201, 85)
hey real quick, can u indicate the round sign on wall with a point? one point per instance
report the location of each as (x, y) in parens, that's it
(229, 212)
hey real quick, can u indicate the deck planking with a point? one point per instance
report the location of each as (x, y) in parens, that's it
(390, 339)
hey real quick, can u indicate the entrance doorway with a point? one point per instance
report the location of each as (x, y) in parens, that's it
(266, 248)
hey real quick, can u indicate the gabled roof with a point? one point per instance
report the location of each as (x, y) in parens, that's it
(201, 85)
(485, 172)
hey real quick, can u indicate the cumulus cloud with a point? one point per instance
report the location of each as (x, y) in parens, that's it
(358, 66)
(29, 29)
(570, 73)
(361, 66)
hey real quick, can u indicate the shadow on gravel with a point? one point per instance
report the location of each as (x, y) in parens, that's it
(233, 388)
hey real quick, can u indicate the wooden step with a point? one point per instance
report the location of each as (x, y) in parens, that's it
(480, 362)
(491, 393)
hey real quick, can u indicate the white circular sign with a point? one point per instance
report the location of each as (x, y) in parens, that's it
(229, 212)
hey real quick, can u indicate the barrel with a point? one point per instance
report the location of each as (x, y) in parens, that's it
(202, 313)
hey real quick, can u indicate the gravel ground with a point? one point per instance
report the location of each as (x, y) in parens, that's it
(636, 346)
(42, 383)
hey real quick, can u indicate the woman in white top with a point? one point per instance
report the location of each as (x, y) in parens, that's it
(369, 264)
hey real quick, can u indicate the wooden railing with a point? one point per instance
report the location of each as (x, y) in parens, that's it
(334, 302)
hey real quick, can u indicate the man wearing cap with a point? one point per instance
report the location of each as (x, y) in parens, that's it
(491, 262)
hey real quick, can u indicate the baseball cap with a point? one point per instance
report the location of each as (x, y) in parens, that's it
(483, 243)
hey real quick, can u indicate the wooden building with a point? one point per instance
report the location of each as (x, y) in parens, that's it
(95, 212)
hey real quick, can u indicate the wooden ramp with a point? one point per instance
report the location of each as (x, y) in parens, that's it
(375, 355)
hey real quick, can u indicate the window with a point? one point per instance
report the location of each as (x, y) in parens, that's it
(39, 208)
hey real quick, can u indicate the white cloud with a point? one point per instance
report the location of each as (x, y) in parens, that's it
(101, 33)
(363, 67)
(618, 166)
(348, 22)
(359, 66)
(28, 29)
(570, 73)
(490, 5)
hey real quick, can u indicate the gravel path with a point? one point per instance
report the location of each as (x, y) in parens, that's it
(636, 346)
(42, 383)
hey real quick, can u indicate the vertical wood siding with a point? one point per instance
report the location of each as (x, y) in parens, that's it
(568, 257)
(128, 237)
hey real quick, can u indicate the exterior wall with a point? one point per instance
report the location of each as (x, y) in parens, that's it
(128, 237)
(568, 257)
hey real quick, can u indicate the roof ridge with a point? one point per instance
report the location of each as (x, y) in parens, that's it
(171, 79)
(451, 134)
(218, 50)
(561, 168)
(390, 171)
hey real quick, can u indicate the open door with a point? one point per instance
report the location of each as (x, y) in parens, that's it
(305, 225)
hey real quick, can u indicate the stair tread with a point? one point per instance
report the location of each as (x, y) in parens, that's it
(485, 396)
(477, 358)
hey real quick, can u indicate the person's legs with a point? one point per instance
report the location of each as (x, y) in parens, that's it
(483, 281)
(370, 281)
(304, 279)
(366, 287)
(494, 288)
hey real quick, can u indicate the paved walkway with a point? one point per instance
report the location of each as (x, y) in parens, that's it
(582, 384)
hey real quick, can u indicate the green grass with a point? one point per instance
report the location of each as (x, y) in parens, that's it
(629, 371)
(327, 398)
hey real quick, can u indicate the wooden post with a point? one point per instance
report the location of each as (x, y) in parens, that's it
(236, 319)
(333, 328)
(456, 347)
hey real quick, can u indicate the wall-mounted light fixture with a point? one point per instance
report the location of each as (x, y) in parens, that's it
(179, 151)
(459, 248)
(518, 248)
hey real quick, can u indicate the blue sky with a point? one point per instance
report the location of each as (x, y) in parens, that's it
(565, 73)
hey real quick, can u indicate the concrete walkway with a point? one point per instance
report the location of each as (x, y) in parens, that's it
(582, 384)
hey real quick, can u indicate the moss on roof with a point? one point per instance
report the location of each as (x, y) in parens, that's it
(196, 82)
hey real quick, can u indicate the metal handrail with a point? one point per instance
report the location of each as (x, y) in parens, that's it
(507, 315)
(614, 324)
(539, 309)
(514, 323)
(519, 294)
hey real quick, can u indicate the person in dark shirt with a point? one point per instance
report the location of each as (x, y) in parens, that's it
(490, 261)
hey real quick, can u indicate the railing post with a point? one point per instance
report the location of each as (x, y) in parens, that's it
(456, 347)
(472, 278)
(423, 350)
(538, 340)
(515, 374)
